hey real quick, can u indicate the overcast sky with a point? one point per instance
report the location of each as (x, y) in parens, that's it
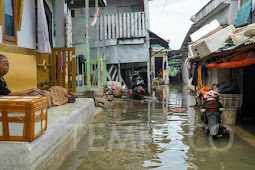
(174, 22)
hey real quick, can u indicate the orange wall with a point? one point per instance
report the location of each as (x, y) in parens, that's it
(22, 72)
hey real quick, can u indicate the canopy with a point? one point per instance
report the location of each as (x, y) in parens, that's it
(234, 64)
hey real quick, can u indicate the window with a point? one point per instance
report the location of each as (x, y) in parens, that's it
(123, 9)
(136, 8)
(9, 27)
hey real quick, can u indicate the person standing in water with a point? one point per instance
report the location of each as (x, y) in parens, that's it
(4, 68)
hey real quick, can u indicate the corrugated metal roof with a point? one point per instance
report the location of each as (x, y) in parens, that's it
(155, 39)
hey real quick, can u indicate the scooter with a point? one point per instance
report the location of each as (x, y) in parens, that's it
(138, 89)
(211, 112)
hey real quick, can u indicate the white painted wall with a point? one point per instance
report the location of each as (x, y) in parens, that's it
(27, 34)
(147, 13)
(61, 11)
(185, 73)
(112, 5)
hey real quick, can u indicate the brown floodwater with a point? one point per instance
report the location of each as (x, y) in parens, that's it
(150, 135)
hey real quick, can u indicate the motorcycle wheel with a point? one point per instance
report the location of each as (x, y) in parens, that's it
(139, 96)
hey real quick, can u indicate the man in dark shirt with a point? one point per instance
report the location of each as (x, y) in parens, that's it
(3, 88)
(4, 68)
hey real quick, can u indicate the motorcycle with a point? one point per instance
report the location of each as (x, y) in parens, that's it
(211, 112)
(138, 89)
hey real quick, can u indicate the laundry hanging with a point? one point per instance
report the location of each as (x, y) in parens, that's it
(194, 75)
(68, 29)
(199, 79)
(43, 34)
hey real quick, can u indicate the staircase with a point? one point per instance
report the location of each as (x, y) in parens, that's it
(113, 74)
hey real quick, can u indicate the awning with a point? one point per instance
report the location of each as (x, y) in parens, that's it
(235, 64)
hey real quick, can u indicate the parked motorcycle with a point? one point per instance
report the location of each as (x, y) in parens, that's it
(138, 85)
(211, 112)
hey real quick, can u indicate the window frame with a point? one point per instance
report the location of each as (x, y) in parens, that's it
(7, 38)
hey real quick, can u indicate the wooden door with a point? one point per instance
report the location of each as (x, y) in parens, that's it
(43, 71)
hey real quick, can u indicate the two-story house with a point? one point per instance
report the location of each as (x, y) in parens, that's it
(122, 35)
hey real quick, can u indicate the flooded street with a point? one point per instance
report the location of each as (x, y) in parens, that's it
(152, 135)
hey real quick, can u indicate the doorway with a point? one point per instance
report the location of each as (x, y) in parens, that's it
(159, 67)
(248, 91)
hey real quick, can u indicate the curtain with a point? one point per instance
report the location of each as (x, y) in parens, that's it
(19, 10)
(43, 33)
(1, 12)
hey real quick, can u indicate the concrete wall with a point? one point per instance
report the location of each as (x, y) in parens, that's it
(147, 13)
(22, 73)
(111, 8)
(112, 5)
(125, 53)
(225, 17)
(185, 74)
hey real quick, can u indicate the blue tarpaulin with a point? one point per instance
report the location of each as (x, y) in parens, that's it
(244, 15)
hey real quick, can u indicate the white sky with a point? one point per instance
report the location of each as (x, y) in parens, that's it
(174, 22)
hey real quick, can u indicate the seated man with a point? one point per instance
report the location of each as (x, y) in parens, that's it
(4, 68)
(160, 74)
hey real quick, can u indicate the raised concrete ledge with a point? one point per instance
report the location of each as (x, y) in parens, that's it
(50, 149)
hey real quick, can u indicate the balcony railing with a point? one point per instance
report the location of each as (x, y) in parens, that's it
(121, 26)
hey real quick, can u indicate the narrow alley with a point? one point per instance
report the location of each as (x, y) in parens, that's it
(151, 134)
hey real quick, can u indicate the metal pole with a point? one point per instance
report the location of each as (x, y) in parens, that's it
(103, 31)
(148, 77)
(239, 4)
(87, 44)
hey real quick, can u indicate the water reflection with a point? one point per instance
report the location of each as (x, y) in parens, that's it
(148, 135)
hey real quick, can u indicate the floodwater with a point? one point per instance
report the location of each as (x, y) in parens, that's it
(150, 135)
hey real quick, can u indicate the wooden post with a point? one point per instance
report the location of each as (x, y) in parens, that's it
(99, 83)
(105, 71)
(78, 72)
(69, 70)
(73, 74)
(148, 77)
(82, 74)
(119, 73)
(59, 78)
(53, 67)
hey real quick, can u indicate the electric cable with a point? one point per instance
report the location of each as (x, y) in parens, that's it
(161, 14)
